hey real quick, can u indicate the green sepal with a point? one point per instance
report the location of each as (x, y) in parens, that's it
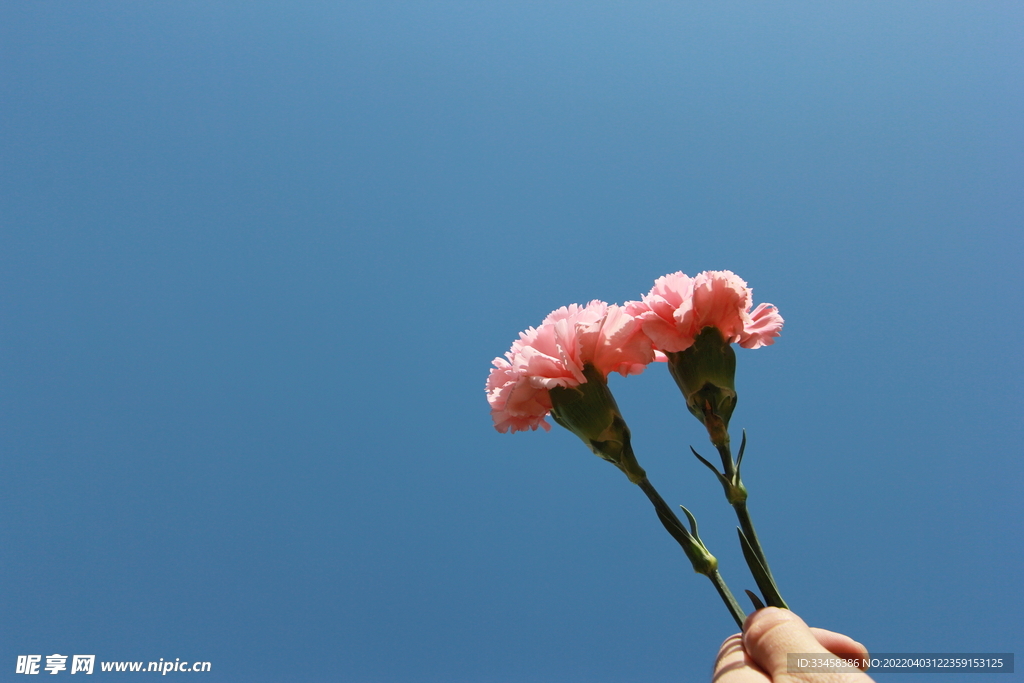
(706, 374)
(589, 411)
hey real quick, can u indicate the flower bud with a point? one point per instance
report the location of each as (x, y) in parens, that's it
(589, 411)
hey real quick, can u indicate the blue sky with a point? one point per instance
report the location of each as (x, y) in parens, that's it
(255, 259)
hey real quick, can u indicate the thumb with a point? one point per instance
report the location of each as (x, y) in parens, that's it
(770, 634)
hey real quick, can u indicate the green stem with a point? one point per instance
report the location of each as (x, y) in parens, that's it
(665, 513)
(743, 515)
(738, 499)
(693, 548)
(725, 453)
(730, 602)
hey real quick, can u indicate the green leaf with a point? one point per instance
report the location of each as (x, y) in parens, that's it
(755, 600)
(764, 581)
(693, 523)
(743, 447)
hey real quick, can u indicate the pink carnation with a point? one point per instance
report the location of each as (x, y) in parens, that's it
(678, 307)
(554, 354)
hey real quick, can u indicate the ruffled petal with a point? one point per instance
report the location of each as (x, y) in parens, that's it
(515, 405)
(678, 307)
(764, 326)
(555, 355)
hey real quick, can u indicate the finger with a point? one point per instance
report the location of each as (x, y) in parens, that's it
(733, 665)
(838, 644)
(770, 634)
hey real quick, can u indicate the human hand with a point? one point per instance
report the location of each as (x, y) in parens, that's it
(759, 654)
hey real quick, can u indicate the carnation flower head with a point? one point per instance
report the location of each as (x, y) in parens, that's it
(556, 354)
(678, 307)
(693, 323)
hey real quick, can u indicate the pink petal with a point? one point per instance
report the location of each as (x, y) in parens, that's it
(678, 307)
(764, 326)
(555, 354)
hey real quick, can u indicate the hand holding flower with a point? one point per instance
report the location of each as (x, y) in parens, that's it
(561, 369)
(760, 653)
